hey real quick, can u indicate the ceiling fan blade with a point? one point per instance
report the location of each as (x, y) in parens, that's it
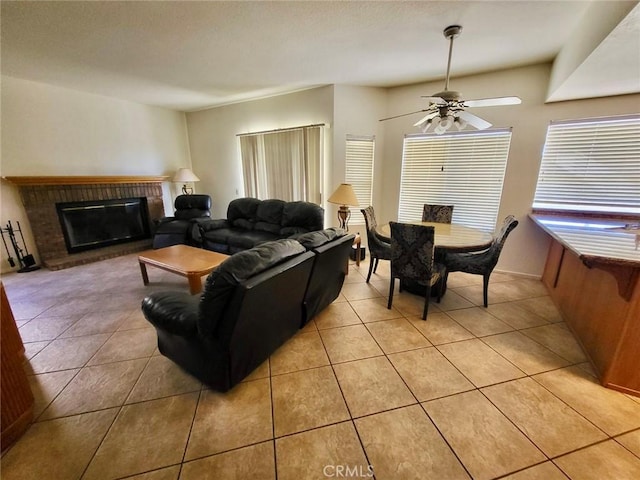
(436, 100)
(492, 102)
(428, 116)
(404, 114)
(474, 120)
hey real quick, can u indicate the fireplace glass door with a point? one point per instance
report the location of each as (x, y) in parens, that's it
(99, 223)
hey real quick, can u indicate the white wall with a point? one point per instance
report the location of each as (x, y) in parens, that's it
(49, 130)
(215, 150)
(525, 251)
(357, 111)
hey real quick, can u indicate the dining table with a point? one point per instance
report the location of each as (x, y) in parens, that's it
(451, 237)
(448, 237)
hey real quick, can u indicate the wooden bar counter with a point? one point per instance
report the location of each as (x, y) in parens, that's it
(593, 276)
(16, 399)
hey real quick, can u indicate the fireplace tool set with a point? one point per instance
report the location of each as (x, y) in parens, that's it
(26, 261)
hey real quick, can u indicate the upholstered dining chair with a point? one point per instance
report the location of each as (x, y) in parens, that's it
(437, 213)
(484, 262)
(379, 245)
(412, 249)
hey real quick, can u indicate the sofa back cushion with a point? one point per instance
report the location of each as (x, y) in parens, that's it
(269, 215)
(301, 217)
(192, 206)
(241, 212)
(222, 282)
(311, 240)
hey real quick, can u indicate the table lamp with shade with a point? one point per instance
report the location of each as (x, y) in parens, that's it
(185, 176)
(344, 196)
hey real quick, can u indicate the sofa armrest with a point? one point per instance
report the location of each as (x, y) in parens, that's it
(207, 224)
(201, 225)
(173, 312)
(162, 220)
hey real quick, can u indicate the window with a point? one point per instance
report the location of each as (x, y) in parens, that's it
(283, 164)
(591, 165)
(359, 167)
(463, 169)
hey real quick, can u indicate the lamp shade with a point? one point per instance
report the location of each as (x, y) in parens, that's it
(185, 175)
(344, 195)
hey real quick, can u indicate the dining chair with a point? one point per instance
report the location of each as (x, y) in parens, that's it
(412, 248)
(437, 213)
(379, 245)
(481, 263)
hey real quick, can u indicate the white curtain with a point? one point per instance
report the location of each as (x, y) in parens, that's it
(283, 164)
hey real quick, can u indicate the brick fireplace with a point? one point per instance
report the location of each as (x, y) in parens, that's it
(41, 194)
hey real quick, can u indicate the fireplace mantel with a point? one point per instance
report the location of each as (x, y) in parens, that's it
(85, 180)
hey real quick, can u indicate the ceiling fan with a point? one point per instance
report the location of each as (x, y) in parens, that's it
(447, 108)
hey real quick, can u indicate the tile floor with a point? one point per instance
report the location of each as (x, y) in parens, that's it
(503, 392)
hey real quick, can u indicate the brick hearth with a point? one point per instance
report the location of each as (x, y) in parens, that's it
(40, 204)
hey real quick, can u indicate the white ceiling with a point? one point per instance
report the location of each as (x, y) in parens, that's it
(194, 55)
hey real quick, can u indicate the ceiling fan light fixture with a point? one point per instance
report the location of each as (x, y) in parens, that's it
(460, 123)
(447, 122)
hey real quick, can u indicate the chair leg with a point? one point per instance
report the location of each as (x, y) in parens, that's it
(391, 286)
(426, 302)
(371, 262)
(485, 289)
(376, 266)
(441, 289)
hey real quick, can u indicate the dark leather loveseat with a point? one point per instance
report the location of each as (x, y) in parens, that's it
(251, 221)
(251, 304)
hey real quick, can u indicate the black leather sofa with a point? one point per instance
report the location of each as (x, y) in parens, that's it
(251, 221)
(251, 304)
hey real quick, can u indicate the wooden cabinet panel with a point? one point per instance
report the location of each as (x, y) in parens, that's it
(16, 399)
(605, 323)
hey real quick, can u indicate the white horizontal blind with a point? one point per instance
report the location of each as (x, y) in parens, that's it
(591, 165)
(463, 169)
(359, 167)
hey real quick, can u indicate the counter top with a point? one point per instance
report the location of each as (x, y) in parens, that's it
(615, 242)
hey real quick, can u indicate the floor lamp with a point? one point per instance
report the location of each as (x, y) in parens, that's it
(344, 196)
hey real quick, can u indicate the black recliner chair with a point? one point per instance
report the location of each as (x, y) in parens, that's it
(177, 229)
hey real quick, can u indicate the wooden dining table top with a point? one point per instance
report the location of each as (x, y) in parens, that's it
(452, 236)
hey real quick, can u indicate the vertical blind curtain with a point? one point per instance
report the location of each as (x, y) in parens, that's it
(359, 167)
(591, 165)
(463, 169)
(283, 164)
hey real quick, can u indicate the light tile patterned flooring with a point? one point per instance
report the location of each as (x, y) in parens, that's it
(503, 392)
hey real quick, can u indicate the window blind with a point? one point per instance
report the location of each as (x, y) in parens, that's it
(463, 169)
(359, 157)
(591, 165)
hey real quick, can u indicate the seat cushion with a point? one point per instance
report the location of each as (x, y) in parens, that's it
(247, 239)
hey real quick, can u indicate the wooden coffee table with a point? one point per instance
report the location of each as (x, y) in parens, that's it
(190, 262)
